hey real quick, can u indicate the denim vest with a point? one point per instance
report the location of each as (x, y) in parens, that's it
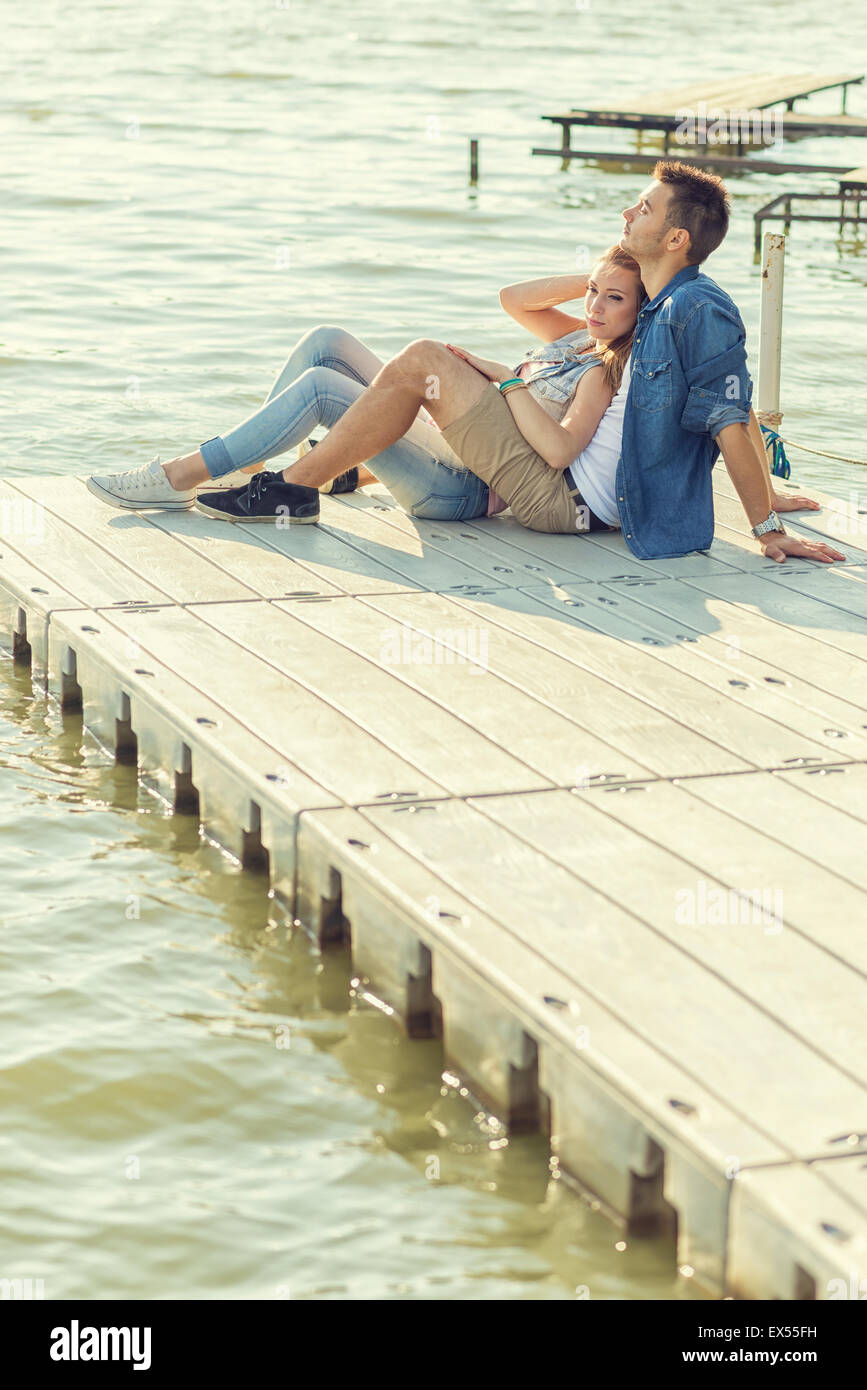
(561, 365)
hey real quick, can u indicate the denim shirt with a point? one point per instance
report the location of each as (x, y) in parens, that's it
(561, 366)
(689, 380)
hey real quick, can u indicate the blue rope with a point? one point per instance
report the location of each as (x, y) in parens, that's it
(780, 466)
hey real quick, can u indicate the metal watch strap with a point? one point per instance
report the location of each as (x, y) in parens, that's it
(771, 523)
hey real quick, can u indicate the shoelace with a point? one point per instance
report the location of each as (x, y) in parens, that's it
(257, 485)
(134, 477)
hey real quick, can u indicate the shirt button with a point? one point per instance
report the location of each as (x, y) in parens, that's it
(629, 535)
(620, 499)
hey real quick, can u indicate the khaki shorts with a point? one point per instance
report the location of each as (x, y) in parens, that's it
(489, 442)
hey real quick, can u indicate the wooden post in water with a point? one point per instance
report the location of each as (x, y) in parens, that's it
(771, 329)
(474, 161)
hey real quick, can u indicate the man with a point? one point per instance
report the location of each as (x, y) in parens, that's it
(688, 397)
(690, 390)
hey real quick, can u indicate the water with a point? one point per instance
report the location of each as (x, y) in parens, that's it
(196, 1105)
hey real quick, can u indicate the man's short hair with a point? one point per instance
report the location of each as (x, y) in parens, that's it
(699, 202)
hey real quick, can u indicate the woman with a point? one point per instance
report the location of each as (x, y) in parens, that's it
(560, 396)
(559, 467)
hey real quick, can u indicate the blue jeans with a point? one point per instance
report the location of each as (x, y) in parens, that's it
(326, 372)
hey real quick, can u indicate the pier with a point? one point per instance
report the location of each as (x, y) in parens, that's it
(597, 822)
(851, 192)
(732, 101)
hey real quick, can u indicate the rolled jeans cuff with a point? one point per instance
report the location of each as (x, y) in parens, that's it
(217, 458)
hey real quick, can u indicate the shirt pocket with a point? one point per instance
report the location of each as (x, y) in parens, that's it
(651, 384)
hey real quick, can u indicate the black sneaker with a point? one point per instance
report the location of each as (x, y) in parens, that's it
(265, 498)
(344, 482)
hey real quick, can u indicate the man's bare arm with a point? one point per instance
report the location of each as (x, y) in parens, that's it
(750, 476)
(783, 501)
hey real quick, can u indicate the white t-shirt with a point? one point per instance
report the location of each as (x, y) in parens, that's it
(595, 468)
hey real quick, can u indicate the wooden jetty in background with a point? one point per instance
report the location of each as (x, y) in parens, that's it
(730, 98)
(600, 822)
(851, 192)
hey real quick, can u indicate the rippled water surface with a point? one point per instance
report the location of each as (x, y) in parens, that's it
(194, 1103)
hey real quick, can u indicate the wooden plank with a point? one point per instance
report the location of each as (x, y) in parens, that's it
(500, 548)
(796, 660)
(247, 555)
(730, 552)
(334, 554)
(745, 164)
(843, 589)
(247, 790)
(803, 604)
(77, 563)
(129, 539)
(716, 833)
(617, 1098)
(834, 722)
(479, 545)
(304, 731)
(576, 671)
(489, 679)
(798, 1232)
(818, 853)
(855, 178)
(750, 89)
(286, 561)
(843, 786)
(28, 594)
(669, 99)
(663, 992)
(596, 557)
(724, 911)
(293, 650)
(755, 721)
(404, 550)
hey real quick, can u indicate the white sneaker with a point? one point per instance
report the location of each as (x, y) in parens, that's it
(141, 489)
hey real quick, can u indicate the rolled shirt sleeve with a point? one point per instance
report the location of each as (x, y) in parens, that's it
(712, 350)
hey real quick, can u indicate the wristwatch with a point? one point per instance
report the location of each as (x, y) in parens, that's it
(772, 523)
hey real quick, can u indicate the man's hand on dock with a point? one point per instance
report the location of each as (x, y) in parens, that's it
(782, 546)
(785, 502)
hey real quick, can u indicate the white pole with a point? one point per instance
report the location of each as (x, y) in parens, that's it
(771, 328)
